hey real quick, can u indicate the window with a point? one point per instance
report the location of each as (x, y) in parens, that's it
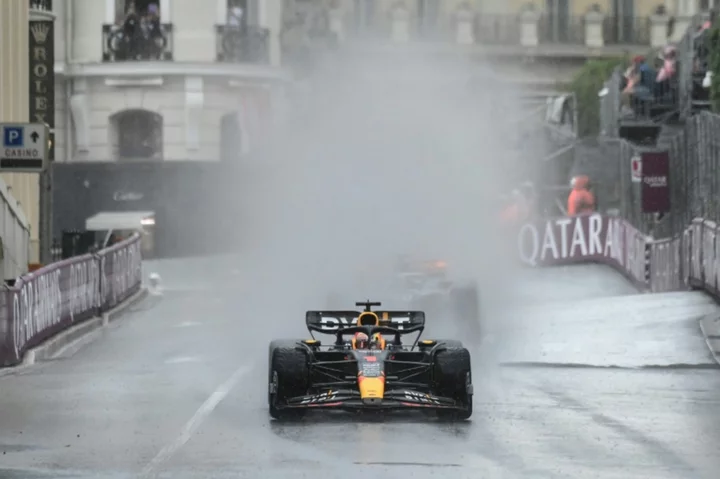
(137, 134)
(142, 7)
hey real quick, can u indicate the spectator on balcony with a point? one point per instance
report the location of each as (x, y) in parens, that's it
(666, 76)
(152, 32)
(701, 41)
(706, 25)
(236, 18)
(132, 34)
(640, 83)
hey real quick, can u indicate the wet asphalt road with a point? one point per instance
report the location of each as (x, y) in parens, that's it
(177, 390)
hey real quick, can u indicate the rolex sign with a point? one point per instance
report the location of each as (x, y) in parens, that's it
(42, 77)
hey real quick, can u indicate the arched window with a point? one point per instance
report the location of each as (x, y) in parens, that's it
(137, 135)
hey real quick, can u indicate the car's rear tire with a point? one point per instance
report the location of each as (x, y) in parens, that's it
(288, 376)
(452, 378)
(465, 306)
(466, 302)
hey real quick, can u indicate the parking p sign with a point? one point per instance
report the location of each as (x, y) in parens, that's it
(25, 147)
(13, 137)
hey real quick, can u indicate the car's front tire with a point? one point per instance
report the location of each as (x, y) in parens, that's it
(452, 377)
(288, 377)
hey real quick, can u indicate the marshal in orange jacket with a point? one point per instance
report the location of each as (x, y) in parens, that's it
(581, 200)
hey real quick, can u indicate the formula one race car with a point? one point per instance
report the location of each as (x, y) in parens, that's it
(426, 285)
(368, 367)
(420, 285)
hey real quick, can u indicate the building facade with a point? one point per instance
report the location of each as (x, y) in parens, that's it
(161, 86)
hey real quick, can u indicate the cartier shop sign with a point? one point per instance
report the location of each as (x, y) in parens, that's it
(42, 77)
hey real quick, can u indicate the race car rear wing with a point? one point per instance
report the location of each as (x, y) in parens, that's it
(329, 322)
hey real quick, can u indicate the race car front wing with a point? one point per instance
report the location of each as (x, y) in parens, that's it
(393, 399)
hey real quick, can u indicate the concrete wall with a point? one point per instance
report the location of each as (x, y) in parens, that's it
(14, 107)
(191, 107)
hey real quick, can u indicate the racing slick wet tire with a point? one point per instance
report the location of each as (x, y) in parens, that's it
(288, 376)
(452, 377)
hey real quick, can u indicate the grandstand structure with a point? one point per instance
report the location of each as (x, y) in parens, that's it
(675, 118)
(641, 119)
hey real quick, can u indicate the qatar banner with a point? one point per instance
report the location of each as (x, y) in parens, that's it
(690, 260)
(585, 239)
(60, 295)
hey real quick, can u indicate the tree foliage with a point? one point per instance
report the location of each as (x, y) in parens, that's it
(586, 84)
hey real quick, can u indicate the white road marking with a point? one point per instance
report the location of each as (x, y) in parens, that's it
(152, 469)
(188, 324)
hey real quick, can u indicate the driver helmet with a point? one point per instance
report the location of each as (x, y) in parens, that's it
(360, 341)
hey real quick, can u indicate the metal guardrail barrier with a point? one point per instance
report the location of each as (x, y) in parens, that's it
(40, 304)
(689, 260)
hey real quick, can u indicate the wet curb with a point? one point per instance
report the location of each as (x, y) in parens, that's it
(54, 345)
(710, 328)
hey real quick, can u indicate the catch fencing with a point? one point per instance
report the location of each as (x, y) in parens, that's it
(694, 181)
(60, 295)
(689, 143)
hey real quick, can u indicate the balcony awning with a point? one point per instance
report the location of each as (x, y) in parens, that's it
(120, 220)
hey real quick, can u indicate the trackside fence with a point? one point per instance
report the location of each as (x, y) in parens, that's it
(60, 295)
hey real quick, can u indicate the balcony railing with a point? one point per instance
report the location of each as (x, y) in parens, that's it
(497, 29)
(622, 30)
(561, 29)
(248, 44)
(522, 29)
(119, 46)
